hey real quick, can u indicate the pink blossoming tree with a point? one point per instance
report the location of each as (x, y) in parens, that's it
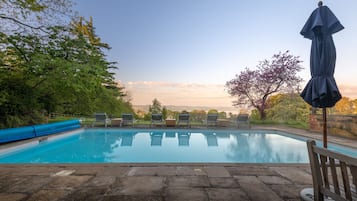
(253, 87)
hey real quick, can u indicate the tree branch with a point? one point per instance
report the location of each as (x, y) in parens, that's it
(23, 24)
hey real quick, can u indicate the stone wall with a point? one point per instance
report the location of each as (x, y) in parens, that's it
(343, 125)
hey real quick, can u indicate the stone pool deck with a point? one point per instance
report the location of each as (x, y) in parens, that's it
(159, 182)
(153, 182)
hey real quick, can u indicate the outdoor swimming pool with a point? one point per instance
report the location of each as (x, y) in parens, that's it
(164, 146)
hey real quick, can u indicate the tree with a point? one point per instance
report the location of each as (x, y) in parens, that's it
(286, 107)
(212, 111)
(253, 87)
(344, 106)
(25, 16)
(198, 115)
(62, 71)
(164, 112)
(155, 108)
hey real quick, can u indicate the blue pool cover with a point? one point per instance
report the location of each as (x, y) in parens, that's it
(14, 134)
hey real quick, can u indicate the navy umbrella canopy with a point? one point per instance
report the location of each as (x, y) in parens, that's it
(322, 91)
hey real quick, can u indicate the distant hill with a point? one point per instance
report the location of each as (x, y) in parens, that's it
(190, 108)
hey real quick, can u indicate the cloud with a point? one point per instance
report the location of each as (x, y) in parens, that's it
(348, 90)
(172, 93)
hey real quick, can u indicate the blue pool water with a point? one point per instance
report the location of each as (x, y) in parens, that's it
(130, 146)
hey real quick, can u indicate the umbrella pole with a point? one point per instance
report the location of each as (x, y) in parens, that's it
(324, 119)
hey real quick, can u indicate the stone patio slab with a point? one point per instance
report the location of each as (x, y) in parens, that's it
(138, 185)
(186, 194)
(256, 190)
(226, 194)
(188, 181)
(216, 171)
(220, 182)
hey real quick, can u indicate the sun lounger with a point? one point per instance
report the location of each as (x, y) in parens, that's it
(334, 175)
(212, 119)
(127, 119)
(101, 118)
(184, 138)
(184, 119)
(156, 119)
(156, 138)
(211, 139)
(243, 120)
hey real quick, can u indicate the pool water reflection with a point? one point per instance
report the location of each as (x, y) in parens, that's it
(172, 146)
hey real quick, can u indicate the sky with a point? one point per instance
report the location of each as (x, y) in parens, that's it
(182, 52)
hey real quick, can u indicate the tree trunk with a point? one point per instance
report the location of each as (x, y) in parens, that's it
(262, 114)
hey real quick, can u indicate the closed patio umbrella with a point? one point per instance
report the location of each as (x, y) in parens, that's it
(321, 91)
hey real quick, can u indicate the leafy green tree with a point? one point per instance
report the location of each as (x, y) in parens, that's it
(212, 111)
(155, 107)
(198, 115)
(222, 115)
(344, 106)
(33, 16)
(62, 71)
(164, 112)
(287, 107)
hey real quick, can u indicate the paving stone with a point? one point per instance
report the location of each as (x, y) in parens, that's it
(288, 191)
(9, 181)
(216, 171)
(30, 170)
(131, 198)
(30, 184)
(152, 171)
(185, 171)
(86, 194)
(273, 180)
(49, 195)
(88, 170)
(100, 181)
(226, 194)
(306, 168)
(188, 181)
(113, 171)
(250, 170)
(12, 196)
(294, 174)
(222, 182)
(185, 194)
(138, 185)
(256, 190)
(67, 182)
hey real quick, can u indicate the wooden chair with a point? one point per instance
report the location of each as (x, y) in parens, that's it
(334, 175)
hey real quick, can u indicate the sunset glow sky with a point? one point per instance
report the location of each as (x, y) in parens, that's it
(182, 52)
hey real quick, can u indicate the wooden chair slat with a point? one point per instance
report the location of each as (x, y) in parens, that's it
(346, 182)
(323, 161)
(334, 176)
(354, 176)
